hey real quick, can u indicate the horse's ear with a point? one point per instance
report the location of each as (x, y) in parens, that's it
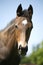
(30, 10)
(19, 10)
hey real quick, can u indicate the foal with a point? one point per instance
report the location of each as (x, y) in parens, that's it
(14, 38)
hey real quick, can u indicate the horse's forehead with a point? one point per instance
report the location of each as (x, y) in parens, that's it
(19, 19)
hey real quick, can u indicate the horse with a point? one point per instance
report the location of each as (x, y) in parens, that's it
(14, 37)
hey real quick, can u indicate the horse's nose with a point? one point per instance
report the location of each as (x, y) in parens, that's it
(23, 49)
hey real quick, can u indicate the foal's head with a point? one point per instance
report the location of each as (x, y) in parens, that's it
(24, 26)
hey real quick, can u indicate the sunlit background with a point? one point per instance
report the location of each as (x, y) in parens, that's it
(8, 12)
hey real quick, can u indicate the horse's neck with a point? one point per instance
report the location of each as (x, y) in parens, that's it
(7, 36)
(7, 33)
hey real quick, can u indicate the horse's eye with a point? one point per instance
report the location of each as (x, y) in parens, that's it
(16, 26)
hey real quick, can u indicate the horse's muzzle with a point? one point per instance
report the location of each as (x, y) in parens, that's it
(23, 50)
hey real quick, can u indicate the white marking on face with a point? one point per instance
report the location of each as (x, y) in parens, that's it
(24, 22)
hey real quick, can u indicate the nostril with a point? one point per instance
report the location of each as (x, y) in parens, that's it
(26, 49)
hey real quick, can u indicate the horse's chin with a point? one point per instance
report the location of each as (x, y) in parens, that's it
(23, 53)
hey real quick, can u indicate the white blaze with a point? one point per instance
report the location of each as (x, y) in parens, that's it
(24, 22)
